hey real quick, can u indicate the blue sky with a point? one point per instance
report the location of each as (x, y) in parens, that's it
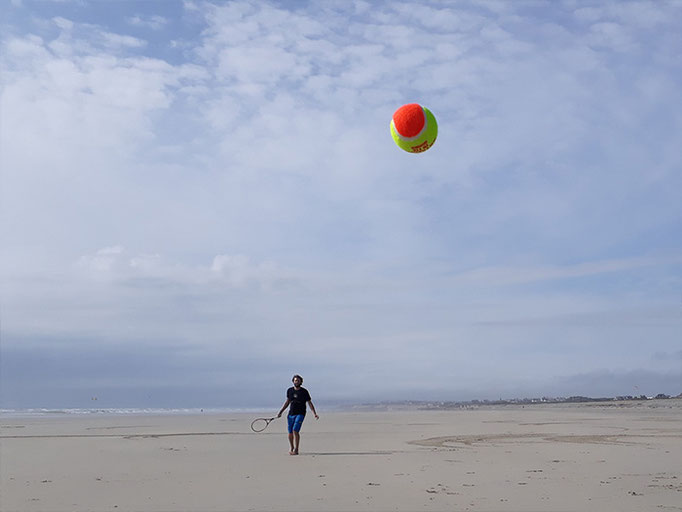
(200, 199)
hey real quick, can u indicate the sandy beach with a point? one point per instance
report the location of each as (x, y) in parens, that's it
(620, 456)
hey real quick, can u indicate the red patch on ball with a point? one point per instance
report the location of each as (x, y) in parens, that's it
(409, 120)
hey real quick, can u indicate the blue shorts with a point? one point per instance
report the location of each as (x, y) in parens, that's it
(295, 422)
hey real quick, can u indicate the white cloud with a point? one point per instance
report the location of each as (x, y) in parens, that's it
(611, 35)
(103, 260)
(117, 265)
(638, 14)
(63, 23)
(238, 271)
(154, 22)
(255, 64)
(116, 41)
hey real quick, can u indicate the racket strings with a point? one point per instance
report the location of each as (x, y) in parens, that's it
(260, 424)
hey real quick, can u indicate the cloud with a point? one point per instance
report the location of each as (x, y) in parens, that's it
(154, 22)
(637, 14)
(517, 275)
(115, 41)
(94, 101)
(239, 271)
(115, 264)
(103, 260)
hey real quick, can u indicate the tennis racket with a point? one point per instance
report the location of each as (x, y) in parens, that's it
(260, 424)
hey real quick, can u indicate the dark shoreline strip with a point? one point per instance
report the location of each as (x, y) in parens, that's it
(126, 436)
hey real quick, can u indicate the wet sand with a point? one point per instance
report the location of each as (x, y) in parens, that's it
(619, 456)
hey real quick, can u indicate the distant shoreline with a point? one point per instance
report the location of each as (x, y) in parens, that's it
(405, 405)
(449, 405)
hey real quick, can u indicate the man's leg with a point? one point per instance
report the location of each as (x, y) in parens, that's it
(297, 429)
(297, 441)
(290, 428)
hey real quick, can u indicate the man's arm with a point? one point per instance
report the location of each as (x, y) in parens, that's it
(286, 404)
(312, 408)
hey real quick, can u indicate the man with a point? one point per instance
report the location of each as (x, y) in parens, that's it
(297, 397)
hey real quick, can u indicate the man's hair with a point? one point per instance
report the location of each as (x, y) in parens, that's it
(297, 375)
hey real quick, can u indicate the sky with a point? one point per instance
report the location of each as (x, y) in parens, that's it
(200, 199)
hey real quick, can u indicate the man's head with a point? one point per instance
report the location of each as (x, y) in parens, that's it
(297, 380)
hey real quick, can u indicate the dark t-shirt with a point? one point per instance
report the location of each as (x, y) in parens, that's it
(298, 398)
